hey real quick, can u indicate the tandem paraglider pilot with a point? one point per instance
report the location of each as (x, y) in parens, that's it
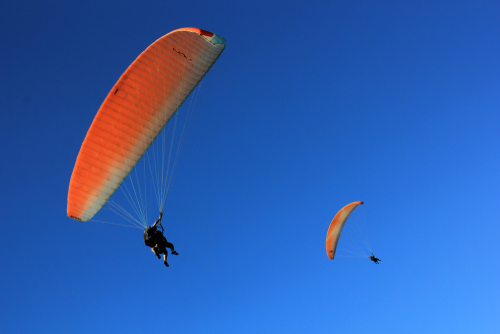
(155, 239)
(374, 258)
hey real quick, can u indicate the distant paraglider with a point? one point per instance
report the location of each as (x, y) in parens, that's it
(335, 228)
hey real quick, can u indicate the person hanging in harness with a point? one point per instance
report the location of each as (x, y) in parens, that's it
(155, 239)
(374, 259)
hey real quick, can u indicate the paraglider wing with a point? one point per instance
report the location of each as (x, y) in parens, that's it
(333, 234)
(135, 111)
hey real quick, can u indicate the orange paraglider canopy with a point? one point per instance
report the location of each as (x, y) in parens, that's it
(333, 234)
(135, 111)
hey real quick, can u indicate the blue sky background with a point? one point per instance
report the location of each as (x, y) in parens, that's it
(311, 106)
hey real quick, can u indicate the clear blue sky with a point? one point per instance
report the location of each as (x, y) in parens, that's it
(312, 105)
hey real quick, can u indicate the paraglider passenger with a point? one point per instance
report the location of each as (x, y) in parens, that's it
(156, 240)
